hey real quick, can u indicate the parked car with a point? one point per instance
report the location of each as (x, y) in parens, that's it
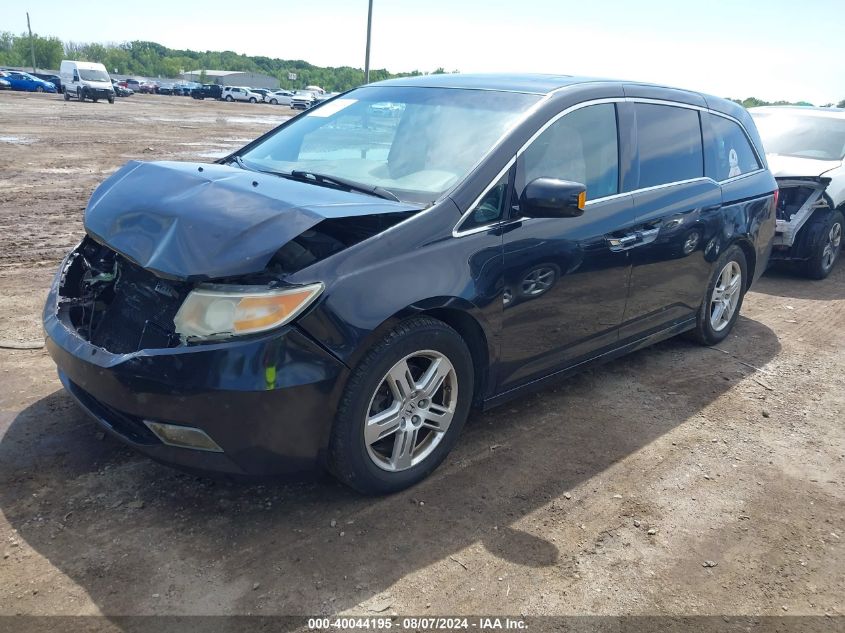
(53, 79)
(120, 91)
(86, 80)
(279, 97)
(334, 293)
(261, 91)
(166, 89)
(303, 99)
(19, 80)
(4, 83)
(207, 91)
(148, 87)
(241, 93)
(324, 97)
(806, 153)
(133, 84)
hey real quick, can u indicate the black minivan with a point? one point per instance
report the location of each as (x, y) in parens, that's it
(342, 290)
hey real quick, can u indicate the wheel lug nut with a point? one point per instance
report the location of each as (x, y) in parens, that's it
(423, 403)
(416, 419)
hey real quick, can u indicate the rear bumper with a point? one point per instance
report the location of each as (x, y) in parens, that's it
(268, 402)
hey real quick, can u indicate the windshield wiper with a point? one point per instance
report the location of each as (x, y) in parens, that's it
(351, 185)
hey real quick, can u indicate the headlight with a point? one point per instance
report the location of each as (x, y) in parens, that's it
(221, 311)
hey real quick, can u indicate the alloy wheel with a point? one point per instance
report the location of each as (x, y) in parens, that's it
(411, 410)
(538, 281)
(832, 246)
(725, 297)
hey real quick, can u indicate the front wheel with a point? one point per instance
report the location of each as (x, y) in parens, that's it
(39, 89)
(403, 408)
(67, 96)
(252, 100)
(80, 95)
(827, 248)
(111, 99)
(723, 300)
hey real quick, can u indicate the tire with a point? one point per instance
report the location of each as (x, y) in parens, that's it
(379, 466)
(39, 89)
(229, 98)
(274, 102)
(67, 96)
(827, 248)
(80, 95)
(111, 99)
(709, 330)
(252, 100)
(95, 99)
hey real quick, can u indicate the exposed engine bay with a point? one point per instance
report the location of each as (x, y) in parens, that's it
(798, 199)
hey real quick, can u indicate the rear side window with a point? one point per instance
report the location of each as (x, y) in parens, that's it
(669, 142)
(729, 152)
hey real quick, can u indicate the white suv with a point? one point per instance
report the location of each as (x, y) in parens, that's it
(805, 149)
(279, 97)
(240, 93)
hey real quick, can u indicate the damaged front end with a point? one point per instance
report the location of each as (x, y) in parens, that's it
(209, 259)
(116, 305)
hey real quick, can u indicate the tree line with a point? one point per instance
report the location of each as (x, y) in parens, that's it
(149, 59)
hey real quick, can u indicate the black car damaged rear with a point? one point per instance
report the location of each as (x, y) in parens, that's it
(341, 291)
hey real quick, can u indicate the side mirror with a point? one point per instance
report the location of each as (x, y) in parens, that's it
(553, 198)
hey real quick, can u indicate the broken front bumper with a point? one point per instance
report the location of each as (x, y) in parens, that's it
(268, 402)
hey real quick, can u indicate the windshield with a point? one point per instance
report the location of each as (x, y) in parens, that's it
(93, 75)
(414, 142)
(802, 135)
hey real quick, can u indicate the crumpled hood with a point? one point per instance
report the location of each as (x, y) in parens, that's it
(195, 221)
(785, 166)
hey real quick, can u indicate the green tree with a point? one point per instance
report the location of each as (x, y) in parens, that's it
(841, 104)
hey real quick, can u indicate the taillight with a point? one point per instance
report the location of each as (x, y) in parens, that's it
(777, 197)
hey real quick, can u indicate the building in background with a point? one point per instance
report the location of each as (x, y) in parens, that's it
(233, 78)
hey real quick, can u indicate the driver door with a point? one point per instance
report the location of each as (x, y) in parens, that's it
(565, 287)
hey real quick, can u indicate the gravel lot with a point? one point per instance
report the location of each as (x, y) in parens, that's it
(678, 480)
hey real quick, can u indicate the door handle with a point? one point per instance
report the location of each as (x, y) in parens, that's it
(633, 239)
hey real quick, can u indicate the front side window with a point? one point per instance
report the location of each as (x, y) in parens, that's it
(491, 207)
(730, 153)
(669, 143)
(582, 147)
(416, 143)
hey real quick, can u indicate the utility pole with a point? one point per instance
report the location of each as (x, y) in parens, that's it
(369, 30)
(32, 42)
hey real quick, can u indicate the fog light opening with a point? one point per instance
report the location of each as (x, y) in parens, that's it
(183, 436)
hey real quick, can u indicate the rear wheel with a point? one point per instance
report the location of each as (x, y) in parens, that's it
(229, 98)
(39, 89)
(274, 101)
(827, 248)
(403, 408)
(723, 300)
(67, 96)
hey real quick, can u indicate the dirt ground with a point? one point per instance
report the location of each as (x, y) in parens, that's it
(678, 480)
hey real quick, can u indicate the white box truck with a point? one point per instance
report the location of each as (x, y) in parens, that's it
(86, 80)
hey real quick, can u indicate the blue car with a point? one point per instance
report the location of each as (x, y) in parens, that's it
(20, 80)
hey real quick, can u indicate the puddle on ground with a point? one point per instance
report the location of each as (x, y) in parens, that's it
(17, 140)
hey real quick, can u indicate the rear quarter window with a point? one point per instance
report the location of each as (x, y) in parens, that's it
(669, 144)
(729, 152)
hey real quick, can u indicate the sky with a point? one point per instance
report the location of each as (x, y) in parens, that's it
(772, 50)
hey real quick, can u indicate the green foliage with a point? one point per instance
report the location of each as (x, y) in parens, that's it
(149, 59)
(17, 50)
(754, 102)
(841, 104)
